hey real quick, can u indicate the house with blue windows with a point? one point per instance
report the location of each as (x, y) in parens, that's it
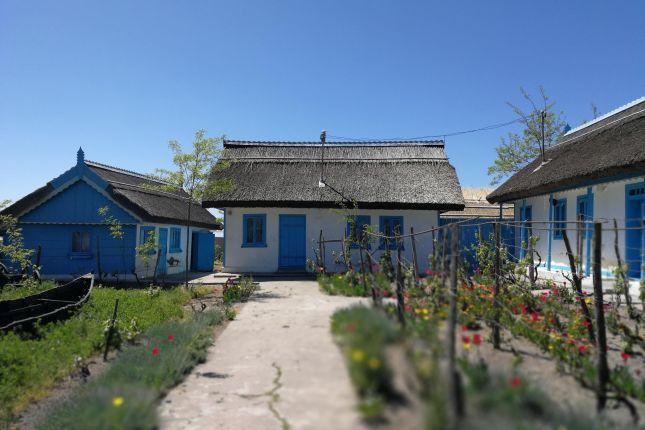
(595, 172)
(67, 224)
(286, 195)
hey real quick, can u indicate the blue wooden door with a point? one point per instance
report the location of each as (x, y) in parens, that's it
(584, 211)
(163, 251)
(634, 236)
(293, 242)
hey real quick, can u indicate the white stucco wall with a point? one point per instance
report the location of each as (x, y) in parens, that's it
(608, 203)
(331, 221)
(181, 256)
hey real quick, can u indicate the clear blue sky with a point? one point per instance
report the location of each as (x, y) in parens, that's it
(121, 78)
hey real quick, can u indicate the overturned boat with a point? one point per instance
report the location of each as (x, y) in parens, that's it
(53, 304)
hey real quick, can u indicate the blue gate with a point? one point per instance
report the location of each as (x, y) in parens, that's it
(293, 242)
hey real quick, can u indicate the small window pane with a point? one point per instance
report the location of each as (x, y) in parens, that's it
(258, 231)
(249, 230)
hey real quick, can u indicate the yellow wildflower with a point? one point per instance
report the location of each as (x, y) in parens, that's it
(358, 355)
(117, 401)
(374, 363)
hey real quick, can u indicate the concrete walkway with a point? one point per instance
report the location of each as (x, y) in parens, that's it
(274, 367)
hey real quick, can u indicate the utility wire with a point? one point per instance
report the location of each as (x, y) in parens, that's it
(431, 136)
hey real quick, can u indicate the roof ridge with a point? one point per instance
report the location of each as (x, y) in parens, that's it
(605, 116)
(437, 142)
(129, 172)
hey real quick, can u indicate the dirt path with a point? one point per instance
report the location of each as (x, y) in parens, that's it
(275, 367)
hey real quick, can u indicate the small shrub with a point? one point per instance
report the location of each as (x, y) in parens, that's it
(239, 292)
(351, 284)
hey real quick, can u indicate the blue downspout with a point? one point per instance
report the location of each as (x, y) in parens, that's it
(550, 232)
(588, 230)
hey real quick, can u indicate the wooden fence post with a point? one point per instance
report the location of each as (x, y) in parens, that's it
(399, 282)
(110, 330)
(577, 286)
(603, 368)
(320, 250)
(415, 263)
(456, 409)
(434, 252)
(497, 287)
(98, 258)
(531, 259)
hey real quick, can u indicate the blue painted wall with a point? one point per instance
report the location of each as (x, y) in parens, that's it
(468, 236)
(78, 203)
(57, 257)
(75, 209)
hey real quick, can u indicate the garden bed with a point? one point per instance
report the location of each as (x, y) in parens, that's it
(31, 364)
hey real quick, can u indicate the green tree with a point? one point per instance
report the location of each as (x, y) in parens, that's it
(516, 150)
(192, 174)
(12, 247)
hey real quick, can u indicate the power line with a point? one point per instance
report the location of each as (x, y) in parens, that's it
(432, 136)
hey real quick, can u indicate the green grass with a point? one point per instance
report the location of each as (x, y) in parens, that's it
(10, 292)
(125, 396)
(363, 335)
(30, 367)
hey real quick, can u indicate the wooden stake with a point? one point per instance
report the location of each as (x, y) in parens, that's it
(399, 283)
(603, 368)
(320, 250)
(453, 376)
(577, 286)
(580, 241)
(415, 263)
(496, 289)
(98, 257)
(622, 277)
(434, 253)
(531, 259)
(110, 330)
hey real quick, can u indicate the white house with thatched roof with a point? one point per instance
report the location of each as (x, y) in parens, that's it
(596, 172)
(284, 195)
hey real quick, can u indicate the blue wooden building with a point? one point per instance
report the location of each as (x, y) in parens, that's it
(62, 218)
(477, 219)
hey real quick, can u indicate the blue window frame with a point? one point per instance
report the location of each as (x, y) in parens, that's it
(144, 233)
(254, 231)
(175, 240)
(389, 226)
(559, 218)
(356, 226)
(81, 242)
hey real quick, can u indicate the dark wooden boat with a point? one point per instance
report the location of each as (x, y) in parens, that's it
(53, 304)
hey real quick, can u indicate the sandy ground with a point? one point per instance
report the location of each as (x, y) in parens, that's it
(275, 366)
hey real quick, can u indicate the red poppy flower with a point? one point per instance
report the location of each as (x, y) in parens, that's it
(477, 339)
(465, 339)
(171, 337)
(155, 351)
(523, 308)
(582, 349)
(516, 381)
(585, 323)
(535, 316)
(624, 356)
(464, 327)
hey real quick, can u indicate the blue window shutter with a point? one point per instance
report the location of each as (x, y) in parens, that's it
(254, 230)
(388, 227)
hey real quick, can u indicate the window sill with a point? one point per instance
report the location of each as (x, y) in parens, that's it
(254, 245)
(81, 256)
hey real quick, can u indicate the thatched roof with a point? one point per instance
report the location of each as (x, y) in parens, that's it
(402, 175)
(135, 192)
(613, 146)
(478, 207)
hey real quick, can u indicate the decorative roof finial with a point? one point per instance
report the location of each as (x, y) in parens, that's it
(80, 156)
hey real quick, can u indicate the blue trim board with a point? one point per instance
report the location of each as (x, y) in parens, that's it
(255, 242)
(224, 242)
(559, 217)
(585, 202)
(550, 232)
(635, 238)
